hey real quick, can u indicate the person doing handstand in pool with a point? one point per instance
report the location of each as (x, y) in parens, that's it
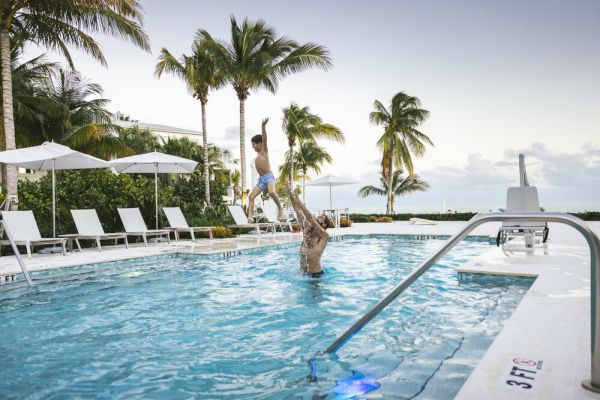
(315, 236)
(266, 180)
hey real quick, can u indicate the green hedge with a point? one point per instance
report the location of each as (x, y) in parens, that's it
(105, 191)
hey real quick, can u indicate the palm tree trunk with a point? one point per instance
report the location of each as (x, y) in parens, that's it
(7, 106)
(389, 188)
(304, 188)
(243, 143)
(292, 167)
(205, 145)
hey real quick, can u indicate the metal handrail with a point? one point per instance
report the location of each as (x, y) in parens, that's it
(16, 251)
(593, 241)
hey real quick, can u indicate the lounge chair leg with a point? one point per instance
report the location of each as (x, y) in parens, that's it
(145, 241)
(169, 237)
(126, 242)
(64, 249)
(28, 247)
(210, 234)
(98, 244)
(192, 235)
(78, 244)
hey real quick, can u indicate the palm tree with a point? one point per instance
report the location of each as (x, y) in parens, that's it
(186, 148)
(28, 80)
(309, 156)
(70, 117)
(137, 140)
(400, 186)
(255, 58)
(400, 137)
(200, 74)
(302, 126)
(58, 24)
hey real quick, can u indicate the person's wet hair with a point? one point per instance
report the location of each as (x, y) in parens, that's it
(256, 139)
(326, 221)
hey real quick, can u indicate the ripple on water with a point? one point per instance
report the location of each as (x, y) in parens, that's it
(185, 326)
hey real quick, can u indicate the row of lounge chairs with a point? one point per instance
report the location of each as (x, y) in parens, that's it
(25, 231)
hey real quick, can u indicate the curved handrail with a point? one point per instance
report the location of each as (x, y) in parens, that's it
(17, 254)
(479, 219)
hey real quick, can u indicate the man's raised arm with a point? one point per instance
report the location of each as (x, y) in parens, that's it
(264, 134)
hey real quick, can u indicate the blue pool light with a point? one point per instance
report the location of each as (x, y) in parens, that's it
(355, 385)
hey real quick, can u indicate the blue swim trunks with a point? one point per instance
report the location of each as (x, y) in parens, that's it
(264, 180)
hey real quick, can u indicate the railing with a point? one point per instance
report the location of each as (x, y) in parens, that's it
(592, 384)
(17, 254)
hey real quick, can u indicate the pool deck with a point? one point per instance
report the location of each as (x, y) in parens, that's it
(551, 324)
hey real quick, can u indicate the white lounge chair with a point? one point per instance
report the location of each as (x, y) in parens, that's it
(241, 220)
(270, 213)
(178, 223)
(135, 226)
(523, 199)
(25, 232)
(89, 227)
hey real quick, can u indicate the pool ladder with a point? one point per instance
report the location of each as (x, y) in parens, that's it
(592, 239)
(9, 235)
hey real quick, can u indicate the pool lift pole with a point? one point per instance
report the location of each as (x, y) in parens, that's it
(14, 246)
(593, 241)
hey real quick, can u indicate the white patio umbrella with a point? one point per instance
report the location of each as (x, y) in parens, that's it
(331, 181)
(51, 156)
(154, 163)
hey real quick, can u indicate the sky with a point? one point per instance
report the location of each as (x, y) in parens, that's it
(498, 78)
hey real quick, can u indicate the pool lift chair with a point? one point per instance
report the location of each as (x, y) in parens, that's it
(523, 198)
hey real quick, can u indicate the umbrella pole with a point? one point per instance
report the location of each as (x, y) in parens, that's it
(53, 200)
(156, 193)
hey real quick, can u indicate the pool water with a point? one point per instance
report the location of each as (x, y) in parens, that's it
(193, 326)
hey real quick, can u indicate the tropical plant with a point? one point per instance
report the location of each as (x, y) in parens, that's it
(58, 25)
(255, 58)
(138, 140)
(401, 186)
(236, 178)
(400, 137)
(71, 117)
(28, 80)
(302, 126)
(184, 147)
(200, 74)
(309, 156)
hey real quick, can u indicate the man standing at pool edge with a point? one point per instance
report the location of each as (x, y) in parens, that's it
(315, 237)
(266, 181)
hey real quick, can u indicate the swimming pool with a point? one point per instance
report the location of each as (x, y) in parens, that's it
(188, 326)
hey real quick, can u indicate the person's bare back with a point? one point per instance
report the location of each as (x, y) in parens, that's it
(315, 237)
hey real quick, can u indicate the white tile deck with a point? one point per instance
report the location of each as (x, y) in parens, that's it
(551, 324)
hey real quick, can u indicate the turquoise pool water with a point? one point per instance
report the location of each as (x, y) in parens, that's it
(186, 326)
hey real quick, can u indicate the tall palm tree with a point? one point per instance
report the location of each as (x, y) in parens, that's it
(71, 117)
(400, 186)
(200, 74)
(309, 156)
(28, 81)
(401, 137)
(302, 126)
(58, 25)
(184, 147)
(255, 58)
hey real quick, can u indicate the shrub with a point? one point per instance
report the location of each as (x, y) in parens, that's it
(222, 232)
(296, 227)
(385, 219)
(373, 218)
(345, 223)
